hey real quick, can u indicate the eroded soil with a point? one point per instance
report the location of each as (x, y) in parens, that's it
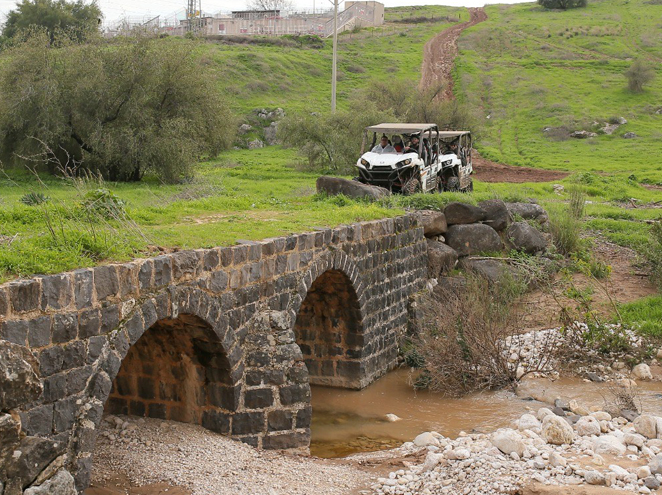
(625, 284)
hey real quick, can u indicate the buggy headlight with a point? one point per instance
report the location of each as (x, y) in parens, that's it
(364, 162)
(447, 163)
(404, 162)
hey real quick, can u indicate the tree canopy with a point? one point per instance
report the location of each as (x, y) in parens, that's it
(119, 109)
(562, 4)
(79, 19)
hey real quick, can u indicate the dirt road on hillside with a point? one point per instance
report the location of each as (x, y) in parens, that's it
(437, 71)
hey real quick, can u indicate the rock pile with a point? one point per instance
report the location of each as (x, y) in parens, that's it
(554, 449)
(463, 230)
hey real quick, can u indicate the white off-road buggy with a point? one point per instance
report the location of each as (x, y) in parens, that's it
(440, 162)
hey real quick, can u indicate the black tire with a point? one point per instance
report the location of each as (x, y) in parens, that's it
(412, 186)
(357, 179)
(453, 184)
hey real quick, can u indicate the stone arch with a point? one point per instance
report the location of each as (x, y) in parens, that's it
(214, 343)
(329, 323)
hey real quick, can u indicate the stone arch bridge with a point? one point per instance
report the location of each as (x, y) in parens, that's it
(229, 338)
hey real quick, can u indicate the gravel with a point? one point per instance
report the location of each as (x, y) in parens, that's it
(153, 451)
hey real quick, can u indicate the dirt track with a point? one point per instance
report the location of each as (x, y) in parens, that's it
(436, 72)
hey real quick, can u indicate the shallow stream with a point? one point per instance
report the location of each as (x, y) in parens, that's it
(349, 421)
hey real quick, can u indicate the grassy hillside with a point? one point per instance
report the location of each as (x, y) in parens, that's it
(526, 69)
(257, 76)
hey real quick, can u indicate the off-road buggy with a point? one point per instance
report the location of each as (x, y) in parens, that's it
(442, 161)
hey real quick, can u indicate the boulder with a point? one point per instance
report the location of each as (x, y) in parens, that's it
(433, 222)
(462, 213)
(491, 270)
(426, 439)
(594, 477)
(497, 215)
(557, 460)
(634, 439)
(529, 422)
(652, 483)
(655, 464)
(10, 430)
(60, 484)
(646, 425)
(508, 441)
(271, 134)
(441, 258)
(608, 444)
(32, 456)
(528, 211)
(523, 237)
(587, 426)
(19, 376)
(642, 372)
(543, 412)
(557, 431)
(350, 188)
(629, 135)
(582, 134)
(473, 239)
(453, 285)
(255, 144)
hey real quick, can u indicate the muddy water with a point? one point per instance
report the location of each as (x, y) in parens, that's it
(347, 421)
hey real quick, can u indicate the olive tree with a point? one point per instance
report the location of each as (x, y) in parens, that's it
(119, 109)
(79, 19)
(562, 4)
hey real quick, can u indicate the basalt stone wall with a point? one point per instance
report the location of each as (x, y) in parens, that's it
(229, 323)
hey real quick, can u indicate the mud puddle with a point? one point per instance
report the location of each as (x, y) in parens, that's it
(348, 421)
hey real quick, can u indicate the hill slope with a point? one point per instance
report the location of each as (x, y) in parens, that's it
(526, 69)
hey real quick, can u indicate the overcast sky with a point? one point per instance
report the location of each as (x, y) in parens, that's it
(115, 9)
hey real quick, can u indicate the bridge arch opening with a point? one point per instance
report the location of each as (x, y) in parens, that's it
(329, 331)
(177, 370)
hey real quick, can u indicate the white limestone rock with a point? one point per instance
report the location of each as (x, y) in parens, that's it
(557, 431)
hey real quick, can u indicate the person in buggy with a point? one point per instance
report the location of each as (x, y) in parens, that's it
(384, 146)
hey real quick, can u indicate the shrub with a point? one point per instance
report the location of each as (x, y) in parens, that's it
(34, 199)
(105, 203)
(562, 4)
(639, 75)
(330, 141)
(566, 225)
(118, 108)
(463, 343)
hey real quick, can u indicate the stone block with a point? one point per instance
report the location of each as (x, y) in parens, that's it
(473, 239)
(106, 282)
(247, 423)
(258, 398)
(292, 394)
(110, 318)
(497, 215)
(38, 420)
(56, 291)
(280, 420)
(50, 360)
(4, 306)
(283, 441)
(216, 421)
(74, 355)
(65, 327)
(162, 270)
(64, 414)
(55, 387)
(39, 331)
(35, 454)
(14, 331)
(184, 264)
(304, 417)
(83, 288)
(25, 295)
(145, 275)
(89, 323)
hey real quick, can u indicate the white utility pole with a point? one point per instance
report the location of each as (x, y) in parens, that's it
(335, 55)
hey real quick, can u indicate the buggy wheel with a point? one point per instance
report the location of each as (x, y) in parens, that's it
(453, 184)
(357, 179)
(470, 187)
(412, 186)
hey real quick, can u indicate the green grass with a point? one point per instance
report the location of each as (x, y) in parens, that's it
(295, 79)
(244, 195)
(527, 69)
(645, 314)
